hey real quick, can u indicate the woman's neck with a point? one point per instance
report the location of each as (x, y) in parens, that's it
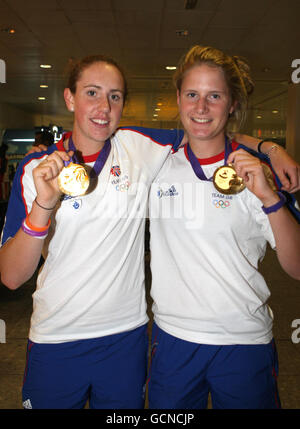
(207, 148)
(86, 145)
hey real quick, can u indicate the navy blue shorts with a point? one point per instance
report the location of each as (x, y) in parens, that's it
(182, 374)
(108, 372)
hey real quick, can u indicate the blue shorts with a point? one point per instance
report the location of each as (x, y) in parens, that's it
(182, 374)
(109, 372)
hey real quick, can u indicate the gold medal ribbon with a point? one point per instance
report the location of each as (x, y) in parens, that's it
(225, 178)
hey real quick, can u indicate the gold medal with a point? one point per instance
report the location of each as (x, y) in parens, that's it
(227, 181)
(73, 180)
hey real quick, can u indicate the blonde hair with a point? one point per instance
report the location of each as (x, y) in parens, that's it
(235, 69)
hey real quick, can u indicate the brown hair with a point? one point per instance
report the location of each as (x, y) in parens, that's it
(235, 69)
(76, 69)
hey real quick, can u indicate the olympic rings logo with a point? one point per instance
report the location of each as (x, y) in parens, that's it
(221, 204)
(123, 186)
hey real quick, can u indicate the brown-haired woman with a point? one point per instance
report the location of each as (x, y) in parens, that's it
(88, 334)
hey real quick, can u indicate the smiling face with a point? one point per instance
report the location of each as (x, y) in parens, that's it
(97, 104)
(204, 103)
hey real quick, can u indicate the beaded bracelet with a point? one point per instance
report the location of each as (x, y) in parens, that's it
(272, 148)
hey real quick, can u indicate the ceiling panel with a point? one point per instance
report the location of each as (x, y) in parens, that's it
(222, 37)
(203, 5)
(237, 14)
(36, 5)
(138, 4)
(104, 18)
(141, 35)
(94, 5)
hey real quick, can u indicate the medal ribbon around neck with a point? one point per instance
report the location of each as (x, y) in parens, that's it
(100, 161)
(198, 170)
(73, 179)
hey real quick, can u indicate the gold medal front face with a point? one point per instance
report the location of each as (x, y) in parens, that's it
(73, 180)
(227, 181)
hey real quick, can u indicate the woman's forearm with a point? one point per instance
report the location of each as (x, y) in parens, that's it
(19, 258)
(286, 168)
(286, 232)
(20, 255)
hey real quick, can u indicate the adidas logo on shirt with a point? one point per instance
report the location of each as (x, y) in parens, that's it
(171, 192)
(27, 404)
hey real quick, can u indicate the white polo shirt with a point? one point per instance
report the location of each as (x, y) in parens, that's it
(205, 249)
(92, 282)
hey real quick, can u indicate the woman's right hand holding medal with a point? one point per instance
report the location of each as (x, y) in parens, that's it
(26, 246)
(45, 177)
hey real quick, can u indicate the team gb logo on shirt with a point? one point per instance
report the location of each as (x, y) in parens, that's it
(115, 171)
(121, 183)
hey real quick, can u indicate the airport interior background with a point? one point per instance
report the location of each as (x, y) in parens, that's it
(38, 39)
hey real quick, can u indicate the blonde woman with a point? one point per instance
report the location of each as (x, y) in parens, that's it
(213, 327)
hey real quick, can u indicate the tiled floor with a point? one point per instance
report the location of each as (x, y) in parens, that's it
(15, 310)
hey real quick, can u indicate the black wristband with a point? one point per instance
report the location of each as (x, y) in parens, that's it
(259, 145)
(45, 208)
(261, 142)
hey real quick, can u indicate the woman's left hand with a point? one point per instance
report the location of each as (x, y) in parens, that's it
(39, 148)
(286, 168)
(252, 171)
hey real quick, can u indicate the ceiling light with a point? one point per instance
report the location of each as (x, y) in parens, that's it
(41, 98)
(275, 111)
(155, 115)
(258, 116)
(171, 67)
(43, 86)
(22, 140)
(182, 33)
(159, 104)
(157, 109)
(45, 66)
(9, 30)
